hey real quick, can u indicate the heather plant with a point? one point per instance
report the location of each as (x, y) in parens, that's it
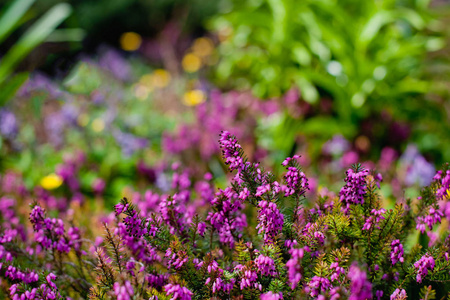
(259, 237)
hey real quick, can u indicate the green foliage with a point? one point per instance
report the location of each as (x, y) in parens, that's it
(35, 35)
(370, 57)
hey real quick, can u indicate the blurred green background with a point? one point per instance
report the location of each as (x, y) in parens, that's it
(136, 85)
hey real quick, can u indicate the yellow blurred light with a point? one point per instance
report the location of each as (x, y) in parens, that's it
(194, 97)
(83, 120)
(51, 182)
(130, 41)
(141, 92)
(98, 125)
(203, 46)
(160, 78)
(191, 63)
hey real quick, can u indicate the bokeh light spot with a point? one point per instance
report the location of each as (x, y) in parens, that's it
(194, 97)
(51, 182)
(98, 125)
(130, 41)
(191, 63)
(203, 47)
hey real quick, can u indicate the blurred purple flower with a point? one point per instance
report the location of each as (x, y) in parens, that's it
(112, 61)
(336, 146)
(129, 142)
(8, 124)
(418, 170)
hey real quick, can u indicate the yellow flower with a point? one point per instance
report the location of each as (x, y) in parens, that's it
(203, 47)
(130, 41)
(98, 125)
(194, 97)
(51, 182)
(191, 63)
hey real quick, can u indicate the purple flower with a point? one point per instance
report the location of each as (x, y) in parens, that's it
(248, 277)
(378, 179)
(360, 287)
(8, 124)
(112, 61)
(176, 259)
(271, 296)
(215, 277)
(129, 142)
(201, 228)
(337, 271)
(296, 181)
(157, 280)
(231, 151)
(318, 285)
(444, 184)
(178, 292)
(418, 170)
(379, 294)
(265, 265)
(123, 292)
(433, 217)
(98, 186)
(399, 295)
(374, 220)
(336, 146)
(270, 220)
(294, 266)
(355, 189)
(228, 218)
(422, 266)
(396, 252)
(173, 210)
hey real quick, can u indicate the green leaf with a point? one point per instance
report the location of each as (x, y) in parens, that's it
(10, 87)
(34, 36)
(12, 16)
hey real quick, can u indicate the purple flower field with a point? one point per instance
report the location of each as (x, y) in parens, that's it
(228, 149)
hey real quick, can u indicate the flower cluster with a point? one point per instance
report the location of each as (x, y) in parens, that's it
(318, 285)
(355, 188)
(433, 217)
(228, 219)
(194, 241)
(360, 286)
(248, 277)
(123, 292)
(265, 265)
(397, 252)
(50, 232)
(176, 259)
(443, 180)
(178, 292)
(270, 220)
(374, 219)
(295, 180)
(423, 265)
(271, 296)
(398, 294)
(294, 266)
(231, 151)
